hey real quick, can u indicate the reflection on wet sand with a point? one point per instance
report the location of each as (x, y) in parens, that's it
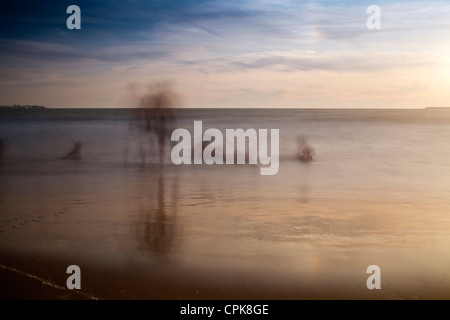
(157, 226)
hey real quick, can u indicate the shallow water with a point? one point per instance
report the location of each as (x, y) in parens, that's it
(376, 195)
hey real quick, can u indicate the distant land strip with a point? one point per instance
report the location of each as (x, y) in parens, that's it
(18, 106)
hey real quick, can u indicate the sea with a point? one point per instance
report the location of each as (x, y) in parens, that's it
(376, 193)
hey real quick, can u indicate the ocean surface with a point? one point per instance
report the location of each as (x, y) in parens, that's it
(378, 193)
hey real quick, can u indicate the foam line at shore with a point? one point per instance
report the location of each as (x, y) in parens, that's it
(47, 282)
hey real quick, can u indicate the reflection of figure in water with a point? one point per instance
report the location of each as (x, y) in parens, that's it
(75, 154)
(159, 232)
(155, 108)
(306, 152)
(2, 149)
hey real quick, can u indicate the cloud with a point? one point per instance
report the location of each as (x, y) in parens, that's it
(142, 31)
(311, 61)
(224, 42)
(38, 54)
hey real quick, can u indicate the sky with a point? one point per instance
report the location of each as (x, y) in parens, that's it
(227, 53)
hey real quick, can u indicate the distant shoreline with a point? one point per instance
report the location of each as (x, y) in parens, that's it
(18, 106)
(38, 107)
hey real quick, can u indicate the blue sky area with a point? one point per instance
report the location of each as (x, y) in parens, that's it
(248, 53)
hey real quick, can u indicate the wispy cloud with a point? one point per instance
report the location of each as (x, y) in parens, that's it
(211, 46)
(291, 61)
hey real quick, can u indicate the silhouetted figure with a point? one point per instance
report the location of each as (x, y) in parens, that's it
(156, 109)
(2, 149)
(306, 152)
(75, 154)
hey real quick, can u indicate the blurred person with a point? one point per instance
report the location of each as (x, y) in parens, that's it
(155, 107)
(75, 154)
(306, 152)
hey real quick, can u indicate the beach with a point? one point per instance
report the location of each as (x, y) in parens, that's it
(377, 194)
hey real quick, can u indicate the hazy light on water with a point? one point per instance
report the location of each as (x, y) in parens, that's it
(378, 189)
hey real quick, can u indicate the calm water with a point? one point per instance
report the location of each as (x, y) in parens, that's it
(378, 193)
(401, 153)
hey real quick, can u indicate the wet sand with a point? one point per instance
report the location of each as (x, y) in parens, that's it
(128, 249)
(45, 280)
(17, 286)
